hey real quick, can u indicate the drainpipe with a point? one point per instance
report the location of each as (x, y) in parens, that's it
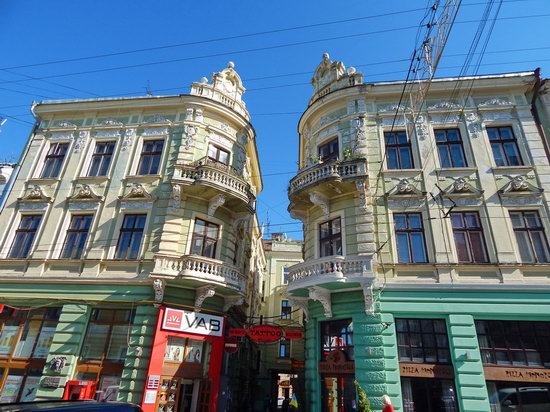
(534, 111)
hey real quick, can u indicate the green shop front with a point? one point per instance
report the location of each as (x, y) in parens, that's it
(430, 349)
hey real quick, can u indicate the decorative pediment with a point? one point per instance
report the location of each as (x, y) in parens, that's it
(215, 203)
(36, 194)
(519, 186)
(229, 82)
(327, 72)
(405, 189)
(138, 192)
(201, 294)
(461, 187)
(85, 192)
(322, 296)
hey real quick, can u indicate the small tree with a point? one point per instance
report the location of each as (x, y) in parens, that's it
(362, 399)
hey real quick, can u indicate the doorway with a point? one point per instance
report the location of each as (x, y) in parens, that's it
(338, 394)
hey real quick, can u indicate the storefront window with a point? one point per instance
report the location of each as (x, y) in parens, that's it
(518, 397)
(337, 335)
(25, 339)
(185, 350)
(517, 343)
(428, 395)
(422, 340)
(338, 394)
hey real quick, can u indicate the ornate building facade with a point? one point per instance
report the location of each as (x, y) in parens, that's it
(129, 244)
(427, 267)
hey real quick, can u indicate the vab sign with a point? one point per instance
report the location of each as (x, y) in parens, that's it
(192, 322)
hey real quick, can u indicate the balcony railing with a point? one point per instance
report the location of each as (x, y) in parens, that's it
(219, 174)
(346, 169)
(200, 268)
(331, 268)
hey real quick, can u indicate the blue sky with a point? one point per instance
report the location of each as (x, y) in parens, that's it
(277, 78)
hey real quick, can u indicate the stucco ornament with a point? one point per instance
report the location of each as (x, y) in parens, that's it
(158, 287)
(444, 104)
(189, 133)
(421, 127)
(58, 363)
(215, 203)
(368, 294)
(472, 122)
(64, 123)
(327, 72)
(322, 296)
(320, 200)
(300, 303)
(519, 186)
(496, 102)
(137, 191)
(175, 201)
(37, 193)
(201, 294)
(128, 141)
(360, 132)
(81, 140)
(85, 192)
(230, 301)
(361, 189)
(110, 122)
(404, 188)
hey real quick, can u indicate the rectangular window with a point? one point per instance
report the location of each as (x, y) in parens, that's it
(131, 233)
(409, 232)
(54, 160)
(504, 146)
(422, 341)
(330, 238)
(516, 343)
(518, 396)
(24, 236)
(286, 310)
(329, 151)
(449, 146)
(107, 335)
(284, 348)
(337, 335)
(149, 162)
(398, 150)
(205, 238)
(77, 234)
(468, 234)
(101, 159)
(286, 272)
(218, 155)
(430, 395)
(530, 237)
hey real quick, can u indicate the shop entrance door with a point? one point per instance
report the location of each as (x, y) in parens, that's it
(338, 393)
(183, 395)
(188, 395)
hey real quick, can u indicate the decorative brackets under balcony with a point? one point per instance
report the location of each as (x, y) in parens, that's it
(158, 287)
(322, 296)
(320, 200)
(301, 303)
(214, 203)
(230, 301)
(201, 294)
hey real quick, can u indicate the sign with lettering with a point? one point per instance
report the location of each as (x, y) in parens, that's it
(426, 370)
(192, 322)
(336, 363)
(265, 333)
(294, 334)
(51, 382)
(502, 373)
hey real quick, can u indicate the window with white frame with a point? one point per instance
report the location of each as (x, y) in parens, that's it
(286, 309)
(101, 158)
(77, 234)
(151, 154)
(449, 147)
(504, 146)
(409, 232)
(284, 348)
(286, 272)
(329, 150)
(205, 238)
(398, 150)
(530, 236)
(131, 234)
(468, 235)
(53, 162)
(24, 236)
(330, 238)
(218, 154)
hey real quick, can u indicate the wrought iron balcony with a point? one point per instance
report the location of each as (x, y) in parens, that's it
(330, 269)
(221, 177)
(200, 269)
(335, 172)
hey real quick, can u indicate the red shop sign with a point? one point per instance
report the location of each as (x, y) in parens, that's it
(294, 334)
(265, 333)
(237, 332)
(231, 345)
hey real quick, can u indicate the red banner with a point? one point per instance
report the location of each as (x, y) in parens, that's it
(237, 332)
(265, 333)
(294, 334)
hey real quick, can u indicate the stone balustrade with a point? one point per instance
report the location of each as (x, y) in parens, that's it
(346, 169)
(224, 177)
(210, 92)
(200, 268)
(328, 269)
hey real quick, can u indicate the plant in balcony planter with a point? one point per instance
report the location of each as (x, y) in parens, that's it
(348, 154)
(314, 160)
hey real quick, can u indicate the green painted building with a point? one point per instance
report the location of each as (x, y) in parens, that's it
(426, 274)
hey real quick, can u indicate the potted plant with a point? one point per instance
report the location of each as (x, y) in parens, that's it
(363, 403)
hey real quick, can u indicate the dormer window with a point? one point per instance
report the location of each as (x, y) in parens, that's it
(329, 150)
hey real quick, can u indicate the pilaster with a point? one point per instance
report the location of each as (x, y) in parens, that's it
(66, 344)
(469, 378)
